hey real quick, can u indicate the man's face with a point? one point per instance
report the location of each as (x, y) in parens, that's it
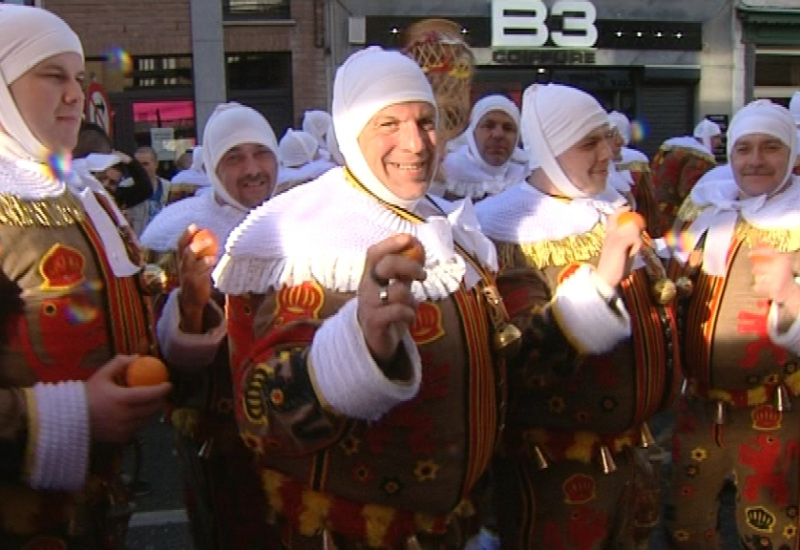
(496, 136)
(716, 141)
(248, 173)
(50, 99)
(399, 145)
(759, 162)
(110, 178)
(586, 162)
(148, 162)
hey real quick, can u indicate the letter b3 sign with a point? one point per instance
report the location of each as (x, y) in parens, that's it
(523, 24)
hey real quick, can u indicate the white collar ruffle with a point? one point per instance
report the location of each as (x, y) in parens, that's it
(321, 230)
(467, 176)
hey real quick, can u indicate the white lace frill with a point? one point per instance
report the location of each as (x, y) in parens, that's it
(321, 230)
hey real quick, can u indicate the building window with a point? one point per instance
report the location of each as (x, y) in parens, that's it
(161, 72)
(259, 70)
(235, 10)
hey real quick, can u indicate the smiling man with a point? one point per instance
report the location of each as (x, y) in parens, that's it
(351, 360)
(240, 153)
(588, 379)
(490, 160)
(739, 418)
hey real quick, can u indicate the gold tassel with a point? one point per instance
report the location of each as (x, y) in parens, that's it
(539, 459)
(607, 464)
(646, 439)
(720, 413)
(685, 286)
(783, 402)
(412, 543)
(507, 337)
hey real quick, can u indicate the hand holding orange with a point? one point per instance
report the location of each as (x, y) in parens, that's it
(631, 217)
(414, 251)
(208, 250)
(145, 371)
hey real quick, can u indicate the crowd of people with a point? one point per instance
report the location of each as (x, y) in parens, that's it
(330, 389)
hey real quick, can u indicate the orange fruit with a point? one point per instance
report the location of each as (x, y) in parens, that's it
(145, 371)
(211, 249)
(414, 251)
(631, 217)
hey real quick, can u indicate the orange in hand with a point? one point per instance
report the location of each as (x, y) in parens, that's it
(145, 371)
(414, 251)
(631, 217)
(211, 249)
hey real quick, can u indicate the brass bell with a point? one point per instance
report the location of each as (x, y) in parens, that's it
(685, 286)
(539, 460)
(720, 413)
(646, 439)
(153, 279)
(206, 449)
(664, 291)
(607, 464)
(783, 402)
(412, 543)
(507, 340)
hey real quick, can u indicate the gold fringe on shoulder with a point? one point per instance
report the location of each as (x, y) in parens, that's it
(634, 166)
(575, 248)
(689, 210)
(61, 211)
(782, 240)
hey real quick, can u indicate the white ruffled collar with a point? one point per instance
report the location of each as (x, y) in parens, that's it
(322, 229)
(25, 178)
(467, 176)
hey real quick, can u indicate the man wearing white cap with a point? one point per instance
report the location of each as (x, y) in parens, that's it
(738, 417)
(367, 385)
(300, 160)
(490, 160)
(193, 180)
(678, 164)
(227, 508)
(600, 351)
(633, 167)
(71, 308)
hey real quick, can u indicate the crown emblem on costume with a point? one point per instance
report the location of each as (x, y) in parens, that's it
(766, 418)
(62, 268)
(299, 302)
(427, 325)
(579, 489)
(760, 518)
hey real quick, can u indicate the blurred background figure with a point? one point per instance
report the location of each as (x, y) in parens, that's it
(301, 160)
(319, 124)
(191, 181)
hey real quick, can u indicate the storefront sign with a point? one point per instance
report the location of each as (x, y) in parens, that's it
(543, 57)
(523, 24)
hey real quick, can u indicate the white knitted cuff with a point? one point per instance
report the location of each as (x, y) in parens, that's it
(349, 379)
(61, 447)
(184, 350)
(590, 313)
(789, 340)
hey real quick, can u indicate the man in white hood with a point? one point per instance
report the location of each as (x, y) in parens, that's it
(241, 155)
(366, 384)
(738, 241)
(677, 166)
(490, 160)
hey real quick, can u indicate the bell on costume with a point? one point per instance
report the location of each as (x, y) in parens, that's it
(783, 402)
(720, 413)
(646, 439)
(206, 449)
(607, 464)
(539, 460)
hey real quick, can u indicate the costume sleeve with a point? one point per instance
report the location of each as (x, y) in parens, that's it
(583, 317)
(44, 435)
(645, 196)
(783, 330)
(299, 374)
(694, 167)
(184, 350)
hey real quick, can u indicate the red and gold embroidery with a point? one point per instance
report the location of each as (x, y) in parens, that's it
(62, 268)
(427, 326)
(299, 302)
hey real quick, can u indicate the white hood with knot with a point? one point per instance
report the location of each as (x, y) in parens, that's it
(365, 83)
(297, 148)
(28, 37)
(233, 124)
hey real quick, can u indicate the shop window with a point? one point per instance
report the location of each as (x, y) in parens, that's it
(235, 10)
(259, 70)
(173, 71)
